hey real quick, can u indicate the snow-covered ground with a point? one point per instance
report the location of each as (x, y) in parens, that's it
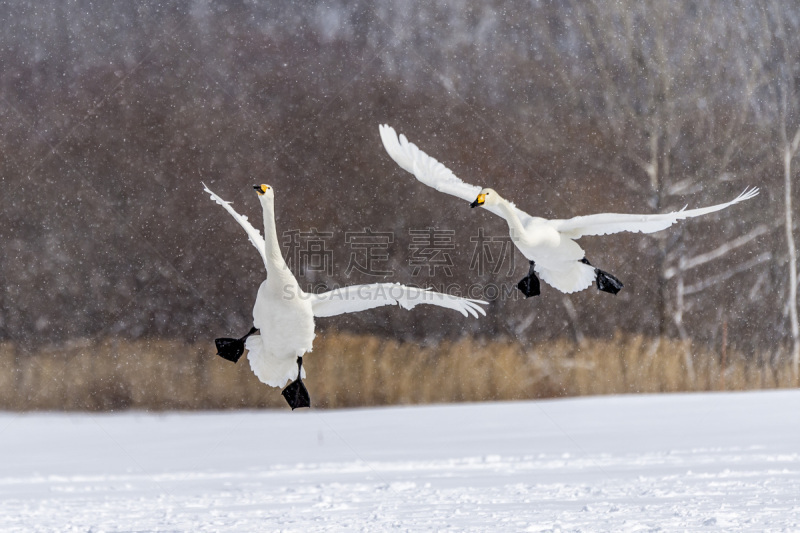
(709, 462)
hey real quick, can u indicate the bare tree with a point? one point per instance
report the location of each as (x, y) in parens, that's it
(672, 106)
(789, 152)
(776, 32)
(789, 109)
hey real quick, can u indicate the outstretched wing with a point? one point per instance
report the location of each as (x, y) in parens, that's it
(362, 297)
(431, 172)
(426, 169)
(607, 223)
(253, 233)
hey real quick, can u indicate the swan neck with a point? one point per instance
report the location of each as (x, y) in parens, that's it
(274, 260)
(510, 214)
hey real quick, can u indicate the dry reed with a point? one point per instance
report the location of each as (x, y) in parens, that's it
(347, 370)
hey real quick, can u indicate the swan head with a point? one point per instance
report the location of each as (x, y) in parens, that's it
(264, 191)
(486, 197)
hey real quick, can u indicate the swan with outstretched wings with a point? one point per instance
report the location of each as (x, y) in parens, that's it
(549, 245)
(283, 315)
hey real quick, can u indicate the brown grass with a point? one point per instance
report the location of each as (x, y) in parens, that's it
(357, 370)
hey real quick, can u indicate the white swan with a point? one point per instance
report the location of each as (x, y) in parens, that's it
(284, 314)
(549, 245)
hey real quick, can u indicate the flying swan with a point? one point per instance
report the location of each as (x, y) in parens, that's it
(549, 245)
(283, 315)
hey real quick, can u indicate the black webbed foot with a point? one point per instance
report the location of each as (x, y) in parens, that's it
(296, 393)
(608, 283)
(529, 285)
(232, 349)
(229, 349)
(605, 281)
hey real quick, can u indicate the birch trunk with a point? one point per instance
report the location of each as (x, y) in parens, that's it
(789, 150)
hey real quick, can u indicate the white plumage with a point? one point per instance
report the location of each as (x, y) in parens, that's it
(284, 313)
(549, 243)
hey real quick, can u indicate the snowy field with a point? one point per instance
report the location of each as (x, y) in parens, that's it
(705, 462)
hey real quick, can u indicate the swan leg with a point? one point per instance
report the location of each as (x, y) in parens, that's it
(232, 349)
(605, 281)
(296, 393)
(529, 285)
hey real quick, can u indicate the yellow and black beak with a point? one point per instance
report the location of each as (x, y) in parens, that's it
(479, 200)
(261, 189)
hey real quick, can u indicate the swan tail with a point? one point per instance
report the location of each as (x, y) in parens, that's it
(573, 277)
(271, 369)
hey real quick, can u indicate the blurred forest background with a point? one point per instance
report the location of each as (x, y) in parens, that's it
(113, 113)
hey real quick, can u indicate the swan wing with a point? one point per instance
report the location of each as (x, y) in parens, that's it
(252, 233)
(362, 297)
(607, 223)
(432, 173)
(425, 168)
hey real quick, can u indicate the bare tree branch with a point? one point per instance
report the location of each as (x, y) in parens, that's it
(718, 252)
(719, 278)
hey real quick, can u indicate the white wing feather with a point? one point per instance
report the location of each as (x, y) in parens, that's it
(426, 169)
(608, 223)
(432, 173)
(252, 233)
(362, 297)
